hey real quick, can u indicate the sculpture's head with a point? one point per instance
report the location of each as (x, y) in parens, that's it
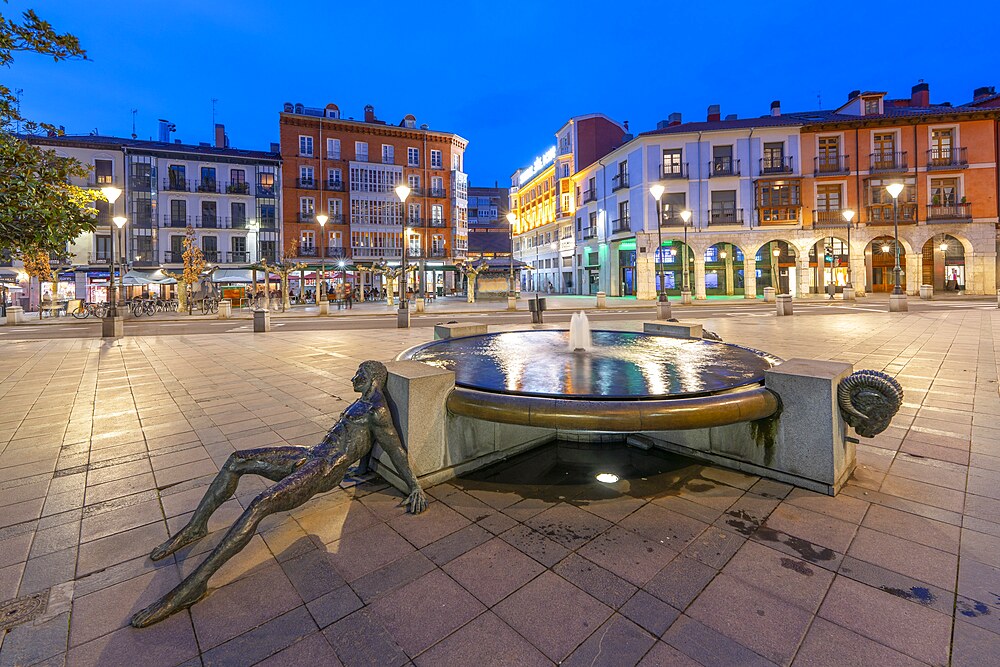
(869, 400)
(371, 374)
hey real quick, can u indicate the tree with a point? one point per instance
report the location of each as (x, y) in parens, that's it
(39, 210)
(390, 274)
(194, 264)
(471, 276)
(284, 268)
(37, 266)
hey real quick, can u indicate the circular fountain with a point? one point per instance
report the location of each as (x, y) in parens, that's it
(611, 381)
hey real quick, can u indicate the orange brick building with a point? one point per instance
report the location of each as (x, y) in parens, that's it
(349, 169)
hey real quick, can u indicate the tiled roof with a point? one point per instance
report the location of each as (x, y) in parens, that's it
(138, 144)
(495, 241)
(785, 119)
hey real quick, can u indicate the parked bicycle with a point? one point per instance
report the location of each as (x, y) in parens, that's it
(209, 304)
(85, 310)
(142, 307)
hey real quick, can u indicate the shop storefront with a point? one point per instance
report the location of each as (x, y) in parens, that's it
(626, 268)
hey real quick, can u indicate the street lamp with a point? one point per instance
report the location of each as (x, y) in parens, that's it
(657, 192)
(511, 219)
(112, 194)
(849, 216)
(321, 286)
(894, 189)
(686, 217)
(403, 191)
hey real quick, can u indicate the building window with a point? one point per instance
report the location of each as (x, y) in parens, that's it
(177, 177)
(413, 213)
(307, 206)
(437, 214)
(944, 191)
(623, 215)
(773, 157)
(306, 175)
(388, 154)
(333, 149)
(456, 162)
(103, 172)
(178, 213)
(437, 186)
(871, 106)
(305, 146)
(265, 184)
(437, 159)
(335, 176)
(885, 150)
(307, 240)
(237, 176)
(942, 143)
(828, 198)
(673, 204)
(722, 161)
(828, 155)
(238, 214)
(334, 207)
(672, 166)
(361, 151)
(412, 157)
(724, 207)
(778, 201)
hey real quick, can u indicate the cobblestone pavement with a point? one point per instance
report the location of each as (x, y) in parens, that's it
(105, 447)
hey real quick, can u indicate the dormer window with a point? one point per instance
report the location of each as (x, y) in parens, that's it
(872, 106)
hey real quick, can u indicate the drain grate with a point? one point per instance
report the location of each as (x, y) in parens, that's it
(23, 609)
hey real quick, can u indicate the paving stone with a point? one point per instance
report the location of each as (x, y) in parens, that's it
(708, 647)
(618, 642)
(627, 554)
(263, 641)
(493, 570)
(650, 613)
(313, 650)
(588, 576)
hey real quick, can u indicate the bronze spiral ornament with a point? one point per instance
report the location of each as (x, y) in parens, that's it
(869, 400)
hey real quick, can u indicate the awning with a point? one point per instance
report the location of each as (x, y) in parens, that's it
(234, 276)
(139, 277)
(8, 277)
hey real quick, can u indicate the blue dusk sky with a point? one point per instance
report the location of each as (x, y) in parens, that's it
(504, 75)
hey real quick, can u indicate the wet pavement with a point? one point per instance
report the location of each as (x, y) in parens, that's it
(107, 447)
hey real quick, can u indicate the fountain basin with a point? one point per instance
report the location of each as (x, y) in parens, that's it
(628, 382)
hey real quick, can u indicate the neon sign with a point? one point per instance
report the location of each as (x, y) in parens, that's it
(540, 162)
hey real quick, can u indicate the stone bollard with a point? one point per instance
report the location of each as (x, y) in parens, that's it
(420, 305)
(324, 308)
(849, 294)
(998, 298)
(663, 311)
(784, 304)
(897, 303)
(112, 327)
(769, 295)
(403, 318)
(512, 301)
(261, 321)
(15, 314)
(926, 292)
(686, 297)
(602, 300)
(225, 309)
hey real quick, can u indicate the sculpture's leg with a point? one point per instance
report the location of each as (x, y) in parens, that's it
(274, 463)
(316, 476)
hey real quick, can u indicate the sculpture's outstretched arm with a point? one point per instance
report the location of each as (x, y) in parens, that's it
(386, 436)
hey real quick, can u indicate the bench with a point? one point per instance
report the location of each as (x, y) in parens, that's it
(458, 329)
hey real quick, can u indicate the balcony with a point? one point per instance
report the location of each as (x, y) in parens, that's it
(436, 222)
(144, 220)
(361, 157)
(671, 219)
(723, 166)
(881, 214)
(138, 183)
(335, 219)
(619, 181)
(590, 233)
(238, 257)
(211, 186)
(207, 221)
(366, 252)
(99, 257)
(831, 165)
(437, 192)
(213, 256)
(305, 183)
(100, 181)
(333, 156)
(177, 185)
(265, 190)
(238, 188)
(726, 216)
(335, 253)
(416, 191)
(776, 165)
(888, 162)
(267, 223)
(235, 223)
(778, 215)
(949, 213)
(621, 225)
(417, 222)
(333, 186)
(145, 260)
(589, 195)
(307, 251)
(947, 158)
(176, 221)
(388, 159)
(306, 217)
(437, 252)
(269, 256)
(829, 218)
(173, 257)
(674, 170)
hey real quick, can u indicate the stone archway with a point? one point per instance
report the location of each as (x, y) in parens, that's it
(880, 260)
(943, 263)
(774, 265)
(829, 264)
(724, 269)
(669, 264)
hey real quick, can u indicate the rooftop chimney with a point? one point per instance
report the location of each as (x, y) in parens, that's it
(851, 95)
(166, 127)
(714, 113)
(776, 108)
(275, 147)
(920, 95)
(731, 116)
(369, 113)
(983, 91)
(221, 140)
(674, 118)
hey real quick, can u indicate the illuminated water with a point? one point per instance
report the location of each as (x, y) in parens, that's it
(579, 333)
(620, 365)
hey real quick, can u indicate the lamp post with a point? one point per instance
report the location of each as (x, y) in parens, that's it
(662, 300)
(897, 291)
(112, 194)
(403, 314)
(321, 286)
(849, 217)
(512, 291)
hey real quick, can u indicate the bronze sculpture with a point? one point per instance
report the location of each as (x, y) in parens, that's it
(301, 473)
(869, 400)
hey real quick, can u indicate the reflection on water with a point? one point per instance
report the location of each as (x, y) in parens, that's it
(620, 364)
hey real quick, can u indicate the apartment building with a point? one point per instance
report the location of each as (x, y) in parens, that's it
(229, 197)
(348, 170)
(543, 200)
(766, 200)
(489, 231)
